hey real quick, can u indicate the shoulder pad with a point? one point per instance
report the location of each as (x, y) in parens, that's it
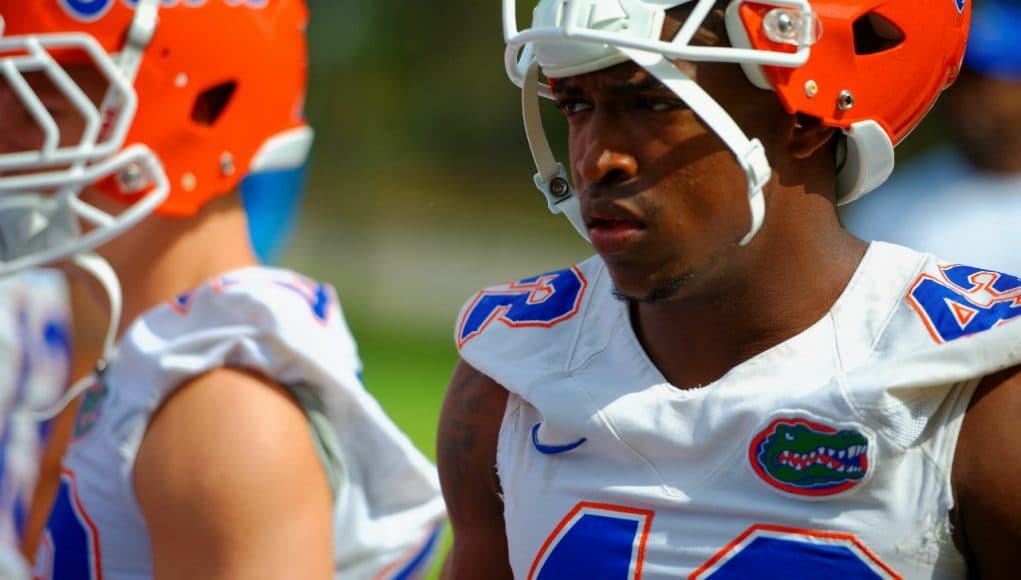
(532, 324)
(953, 300)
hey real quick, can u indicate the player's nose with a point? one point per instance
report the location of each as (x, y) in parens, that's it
(606, 165)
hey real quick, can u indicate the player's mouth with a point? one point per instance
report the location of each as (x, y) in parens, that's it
(610, 235)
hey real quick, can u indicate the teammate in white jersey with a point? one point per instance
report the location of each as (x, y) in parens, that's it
(735, 386)
(226, 432)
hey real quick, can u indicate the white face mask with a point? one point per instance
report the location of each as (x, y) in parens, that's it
(572, 37)
(41, 211)
(43, 218)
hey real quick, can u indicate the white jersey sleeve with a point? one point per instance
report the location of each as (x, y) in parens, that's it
(388, 510)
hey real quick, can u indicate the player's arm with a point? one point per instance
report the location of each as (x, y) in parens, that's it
(466, 453)
(987, 478)
(230, 484)
(48, 481)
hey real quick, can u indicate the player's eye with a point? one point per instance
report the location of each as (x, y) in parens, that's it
(573, 106)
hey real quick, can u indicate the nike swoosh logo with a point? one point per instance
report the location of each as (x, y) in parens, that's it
(553, 449)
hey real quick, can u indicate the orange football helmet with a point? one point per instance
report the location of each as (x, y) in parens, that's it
(211, 90)
(871, 68)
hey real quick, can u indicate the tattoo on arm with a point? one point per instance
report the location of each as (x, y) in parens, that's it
(470, 425)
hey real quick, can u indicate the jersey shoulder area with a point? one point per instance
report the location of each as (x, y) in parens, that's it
(254, 317)
(901, 303)
(917, 333)
(257, 297)
(541, 325)
(952, 300)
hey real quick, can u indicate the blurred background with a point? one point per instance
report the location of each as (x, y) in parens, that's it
(420, 190)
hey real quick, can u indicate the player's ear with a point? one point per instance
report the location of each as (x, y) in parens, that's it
(806, 135)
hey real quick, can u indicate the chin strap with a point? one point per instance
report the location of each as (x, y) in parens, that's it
(750, 154)
(551, 178)
(101, 270)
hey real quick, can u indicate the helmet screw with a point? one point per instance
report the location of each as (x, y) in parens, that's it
(558, 187)
(227, 164)
(188, 182)
(132, 179)
(785, 24)
(811, 89)
(845, 100)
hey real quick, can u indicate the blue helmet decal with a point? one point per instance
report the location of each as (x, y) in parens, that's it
(272, 200)
(91, 10)
(86, 10)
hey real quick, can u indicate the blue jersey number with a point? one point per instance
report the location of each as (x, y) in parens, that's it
(607, 542)
(967, 300)
(777, 552)
(542, 301)
(71, 547)
(596, 541)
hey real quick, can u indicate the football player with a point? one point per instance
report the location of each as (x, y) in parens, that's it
(225, 432)
(734, 386)
(964, 197)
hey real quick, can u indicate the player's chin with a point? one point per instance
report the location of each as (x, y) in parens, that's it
(648, 287)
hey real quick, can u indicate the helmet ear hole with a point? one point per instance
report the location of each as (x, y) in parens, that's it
(209, 105)
(873, 34)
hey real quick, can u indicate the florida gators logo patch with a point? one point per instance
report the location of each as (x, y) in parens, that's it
(90, 409)
(808, 458)
(963, 300)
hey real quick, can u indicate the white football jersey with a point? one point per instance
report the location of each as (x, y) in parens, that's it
(35, 362)
(388, 511)
(826, 456)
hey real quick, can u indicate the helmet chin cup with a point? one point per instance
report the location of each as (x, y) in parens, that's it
(866, 162)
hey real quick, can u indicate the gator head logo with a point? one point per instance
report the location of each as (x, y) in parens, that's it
(806, 458)
(88, 412)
